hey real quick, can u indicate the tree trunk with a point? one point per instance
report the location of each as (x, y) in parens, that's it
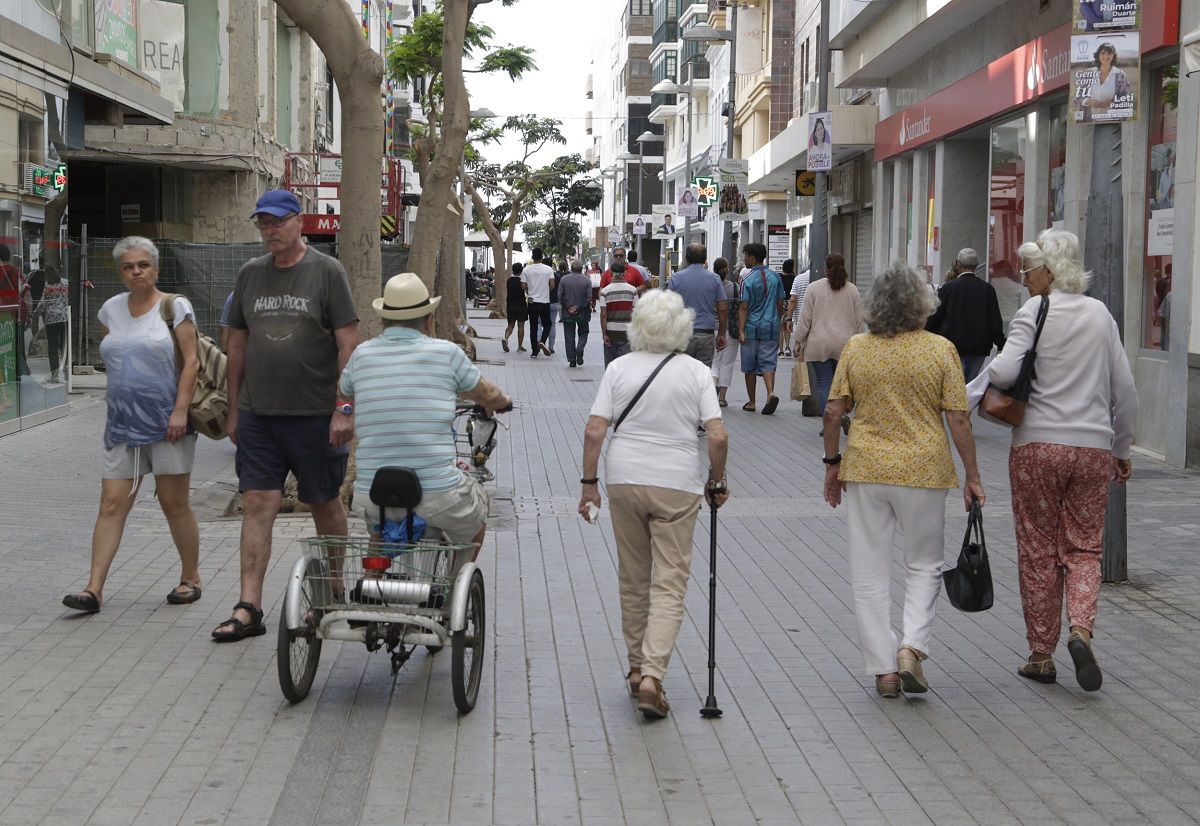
(500, 289)
(439, 205)
(358, 73)
(449, 317)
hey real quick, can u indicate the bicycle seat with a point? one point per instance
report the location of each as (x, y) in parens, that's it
(396, 487)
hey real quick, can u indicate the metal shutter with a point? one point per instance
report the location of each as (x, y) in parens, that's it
(864, 271)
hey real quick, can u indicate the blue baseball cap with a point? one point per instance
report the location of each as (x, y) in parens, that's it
(278, 202)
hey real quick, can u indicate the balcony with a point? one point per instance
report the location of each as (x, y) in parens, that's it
(666, 21)
(587, 87)
(638, 25)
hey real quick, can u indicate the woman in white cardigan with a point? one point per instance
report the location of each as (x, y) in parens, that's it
(831, 314)
(1073, 442)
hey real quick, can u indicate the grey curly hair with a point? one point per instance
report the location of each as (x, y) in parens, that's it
(135, 242)
(899, 301)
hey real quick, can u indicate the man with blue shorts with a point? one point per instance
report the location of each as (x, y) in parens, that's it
(292, 328)
(759, 310)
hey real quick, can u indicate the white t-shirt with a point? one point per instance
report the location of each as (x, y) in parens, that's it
(657, 443)
(536, 278)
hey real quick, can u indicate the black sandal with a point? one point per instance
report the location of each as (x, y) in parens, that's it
(241, 630)
(84, 601)
(177, 597)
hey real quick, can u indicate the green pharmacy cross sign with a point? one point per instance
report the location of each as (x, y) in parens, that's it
(47, 182)
(706, 190)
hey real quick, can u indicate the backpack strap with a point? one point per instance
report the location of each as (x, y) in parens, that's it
(166, 309)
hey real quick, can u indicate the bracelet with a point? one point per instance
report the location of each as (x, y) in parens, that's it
(835, 460)
(594, 480)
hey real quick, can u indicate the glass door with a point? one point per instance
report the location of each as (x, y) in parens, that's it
(1006, 213)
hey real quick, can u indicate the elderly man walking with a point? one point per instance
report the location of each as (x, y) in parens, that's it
(292, 328)
(968, 315)
(575, 297)
(703, 294)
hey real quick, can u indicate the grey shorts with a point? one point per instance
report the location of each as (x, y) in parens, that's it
(458, 513)
(702, 347)
(161, 458)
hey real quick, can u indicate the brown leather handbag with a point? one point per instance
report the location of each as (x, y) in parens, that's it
(1007, 405)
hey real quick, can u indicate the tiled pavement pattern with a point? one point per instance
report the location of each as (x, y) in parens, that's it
(133, 716)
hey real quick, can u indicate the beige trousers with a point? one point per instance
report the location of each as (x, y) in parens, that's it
(653, 527)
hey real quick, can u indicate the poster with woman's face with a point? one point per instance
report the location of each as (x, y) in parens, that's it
(1105, 69)
(687, 205)
(820, 142)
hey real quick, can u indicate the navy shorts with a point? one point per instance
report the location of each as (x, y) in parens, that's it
(270, 446)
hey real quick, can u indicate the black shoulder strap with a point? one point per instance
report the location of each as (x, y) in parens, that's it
(1043, 310)
(642, 390)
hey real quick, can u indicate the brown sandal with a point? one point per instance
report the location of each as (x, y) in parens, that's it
(653, 704)
(887, 687)
(634, 684)
(1043, 671)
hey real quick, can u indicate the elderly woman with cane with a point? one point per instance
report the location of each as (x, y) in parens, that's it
(654, 398)
(900, 380)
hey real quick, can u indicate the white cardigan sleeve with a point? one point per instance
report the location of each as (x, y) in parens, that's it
(1123, 395)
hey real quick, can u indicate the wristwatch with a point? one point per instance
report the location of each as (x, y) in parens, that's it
(834, 460)
(344, 407)
(715, 486)
(593, 481)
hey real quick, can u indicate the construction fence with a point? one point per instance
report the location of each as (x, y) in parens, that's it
(205, 273)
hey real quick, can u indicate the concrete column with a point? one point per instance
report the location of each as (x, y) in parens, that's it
(901, 178)
(883, 215)
(921, 173)
(1037, 187)
(965, 202)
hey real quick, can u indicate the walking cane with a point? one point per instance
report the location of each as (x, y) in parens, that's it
(711, 709)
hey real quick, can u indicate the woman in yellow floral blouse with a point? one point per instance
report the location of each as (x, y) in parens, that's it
(897, 470)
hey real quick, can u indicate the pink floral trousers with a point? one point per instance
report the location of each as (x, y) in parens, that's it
(1060, 496)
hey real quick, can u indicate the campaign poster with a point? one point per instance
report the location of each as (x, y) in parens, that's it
(1105, 71)
(687, 205)
(664, 222)
(639, 224)
(1107, 15)
(820, 142)
(734, 175)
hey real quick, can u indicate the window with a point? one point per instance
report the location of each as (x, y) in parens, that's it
(1160, 209)
(639, 67)
(1006, 215)
(1056, 205)
(30, 143)
(640, 7)
(671, 65)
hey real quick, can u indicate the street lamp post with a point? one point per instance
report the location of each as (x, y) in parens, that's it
(643, 139)
(611, 172)
(625, 158)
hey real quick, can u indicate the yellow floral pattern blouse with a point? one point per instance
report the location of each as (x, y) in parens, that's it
(898, 388)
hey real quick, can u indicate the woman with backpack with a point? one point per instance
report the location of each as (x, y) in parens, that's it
(146, 431)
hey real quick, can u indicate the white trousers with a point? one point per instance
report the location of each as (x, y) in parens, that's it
(873, 514)
(724, 361)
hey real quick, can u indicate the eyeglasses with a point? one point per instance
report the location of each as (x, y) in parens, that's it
(1027, 270)
(272, 223)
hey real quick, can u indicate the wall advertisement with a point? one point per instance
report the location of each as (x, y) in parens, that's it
(1106, 61)
(116, 30)
(161, 29)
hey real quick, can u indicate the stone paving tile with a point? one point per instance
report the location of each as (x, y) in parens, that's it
(134, 716)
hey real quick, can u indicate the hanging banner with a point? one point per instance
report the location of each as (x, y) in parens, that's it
(639, 224)
(664, 222)
(1106, 60)
(734, 176)
(116, 30)
(687, 205)
(820, 142)
(161, 30)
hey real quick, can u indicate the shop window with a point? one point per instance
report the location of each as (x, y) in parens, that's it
(1160, 208)
(1006, 213)
(1056, 206)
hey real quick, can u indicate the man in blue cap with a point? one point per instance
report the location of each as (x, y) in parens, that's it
(292, 328)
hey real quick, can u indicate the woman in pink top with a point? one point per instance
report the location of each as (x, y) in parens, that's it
(831, 314)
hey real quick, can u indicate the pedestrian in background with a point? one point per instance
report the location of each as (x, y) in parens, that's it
(702, 293)
(293, 326)
(1074, 440)
(555, 305)
(795, 305)
(968, 313)
(725, 360)
(515, 307)
(223, 322)
(788, 278)
(832, 312)
(633, 274)
(760, 307)
(575, 295)
(538, 279)
(146, 430)
(616, 311)
(55, 310)
(654, 480)
(900, 380)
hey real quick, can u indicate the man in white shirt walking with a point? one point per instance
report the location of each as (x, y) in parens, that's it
(539, 281)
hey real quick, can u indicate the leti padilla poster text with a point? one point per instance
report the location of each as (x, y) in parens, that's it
(1106, 60)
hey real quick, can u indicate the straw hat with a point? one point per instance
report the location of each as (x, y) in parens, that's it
(404, 297)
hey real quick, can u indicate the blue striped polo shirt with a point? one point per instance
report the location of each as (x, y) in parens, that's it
(404, 385)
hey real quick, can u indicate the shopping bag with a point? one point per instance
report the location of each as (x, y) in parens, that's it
(969, 583)
(800, 387)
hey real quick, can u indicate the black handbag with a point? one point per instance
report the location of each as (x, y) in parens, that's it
(969, 583)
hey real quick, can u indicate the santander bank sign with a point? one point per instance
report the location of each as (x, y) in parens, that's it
(918, 127)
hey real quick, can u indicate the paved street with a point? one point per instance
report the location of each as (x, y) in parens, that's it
(134, 716)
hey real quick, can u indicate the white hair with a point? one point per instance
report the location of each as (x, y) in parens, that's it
(968, 258)
(661, 324)
(135, 242)
(1058, 251)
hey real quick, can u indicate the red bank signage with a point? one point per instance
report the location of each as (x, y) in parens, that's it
(312, 223)
(1023, 75)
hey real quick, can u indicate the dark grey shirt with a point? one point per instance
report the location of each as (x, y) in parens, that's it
(289, 316)
(575, 291)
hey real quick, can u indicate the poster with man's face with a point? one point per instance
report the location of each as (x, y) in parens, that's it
(664, 222)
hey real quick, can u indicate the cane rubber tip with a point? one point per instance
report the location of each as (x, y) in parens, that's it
(710, 711)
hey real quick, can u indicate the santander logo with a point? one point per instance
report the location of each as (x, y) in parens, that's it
(916, 128)
(1045, 67)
